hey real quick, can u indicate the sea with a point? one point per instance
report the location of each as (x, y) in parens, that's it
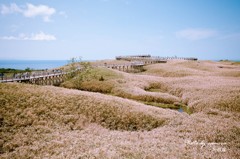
(38, 64)
(32, 64)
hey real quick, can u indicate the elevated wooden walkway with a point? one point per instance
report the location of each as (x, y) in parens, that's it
(124, 67)
(42, 78)
(148, 59)
(55, 78)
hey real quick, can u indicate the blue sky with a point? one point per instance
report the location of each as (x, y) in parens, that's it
(103, 29)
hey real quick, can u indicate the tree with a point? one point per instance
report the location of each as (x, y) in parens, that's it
(73, 66)
(79, 70)
(28, 69)
(83, 74)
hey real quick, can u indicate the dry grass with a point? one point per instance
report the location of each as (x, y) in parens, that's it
(94, 107)
(206, 92)
(51, 122)
(193, 68)
(119, 84)
(205, 86)
(38, 111)
(96, 80)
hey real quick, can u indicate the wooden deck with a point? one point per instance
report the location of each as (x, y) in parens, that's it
(52, 78)
(49, 78)
(42, 79)
(158, 59)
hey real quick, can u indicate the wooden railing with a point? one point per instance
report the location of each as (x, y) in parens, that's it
(34, 77)
(153, 58)
(27, 76)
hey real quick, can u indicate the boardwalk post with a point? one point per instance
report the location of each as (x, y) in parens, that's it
(1, 74)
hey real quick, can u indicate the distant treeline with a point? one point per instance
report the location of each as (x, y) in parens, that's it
(232, 61)
(11, 70)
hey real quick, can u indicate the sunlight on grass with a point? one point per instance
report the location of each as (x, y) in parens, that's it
(124, 119)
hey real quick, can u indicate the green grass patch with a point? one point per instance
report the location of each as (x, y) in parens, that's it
(154, 90)
(236, 63)
(232, 62)
(179, 106)
(94, 80)
(186, 109)
(106, 74)
(162, 105)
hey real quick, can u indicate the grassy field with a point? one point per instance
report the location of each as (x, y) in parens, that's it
(111, 114)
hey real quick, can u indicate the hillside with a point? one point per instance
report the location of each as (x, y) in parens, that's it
(113, 114)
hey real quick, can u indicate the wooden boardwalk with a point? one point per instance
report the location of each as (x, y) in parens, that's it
(149, 58)
(125, 66)
(55, 78)
(41, 79)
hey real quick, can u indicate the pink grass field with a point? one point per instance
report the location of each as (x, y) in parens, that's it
(55, 122)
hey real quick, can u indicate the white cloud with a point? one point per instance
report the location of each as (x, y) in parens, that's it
(30, 10)
(41, 36)
(13, 8)
(9, 38)
(196, 34)
(41, 10)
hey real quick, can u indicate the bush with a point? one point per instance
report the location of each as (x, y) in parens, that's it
(101, 78)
